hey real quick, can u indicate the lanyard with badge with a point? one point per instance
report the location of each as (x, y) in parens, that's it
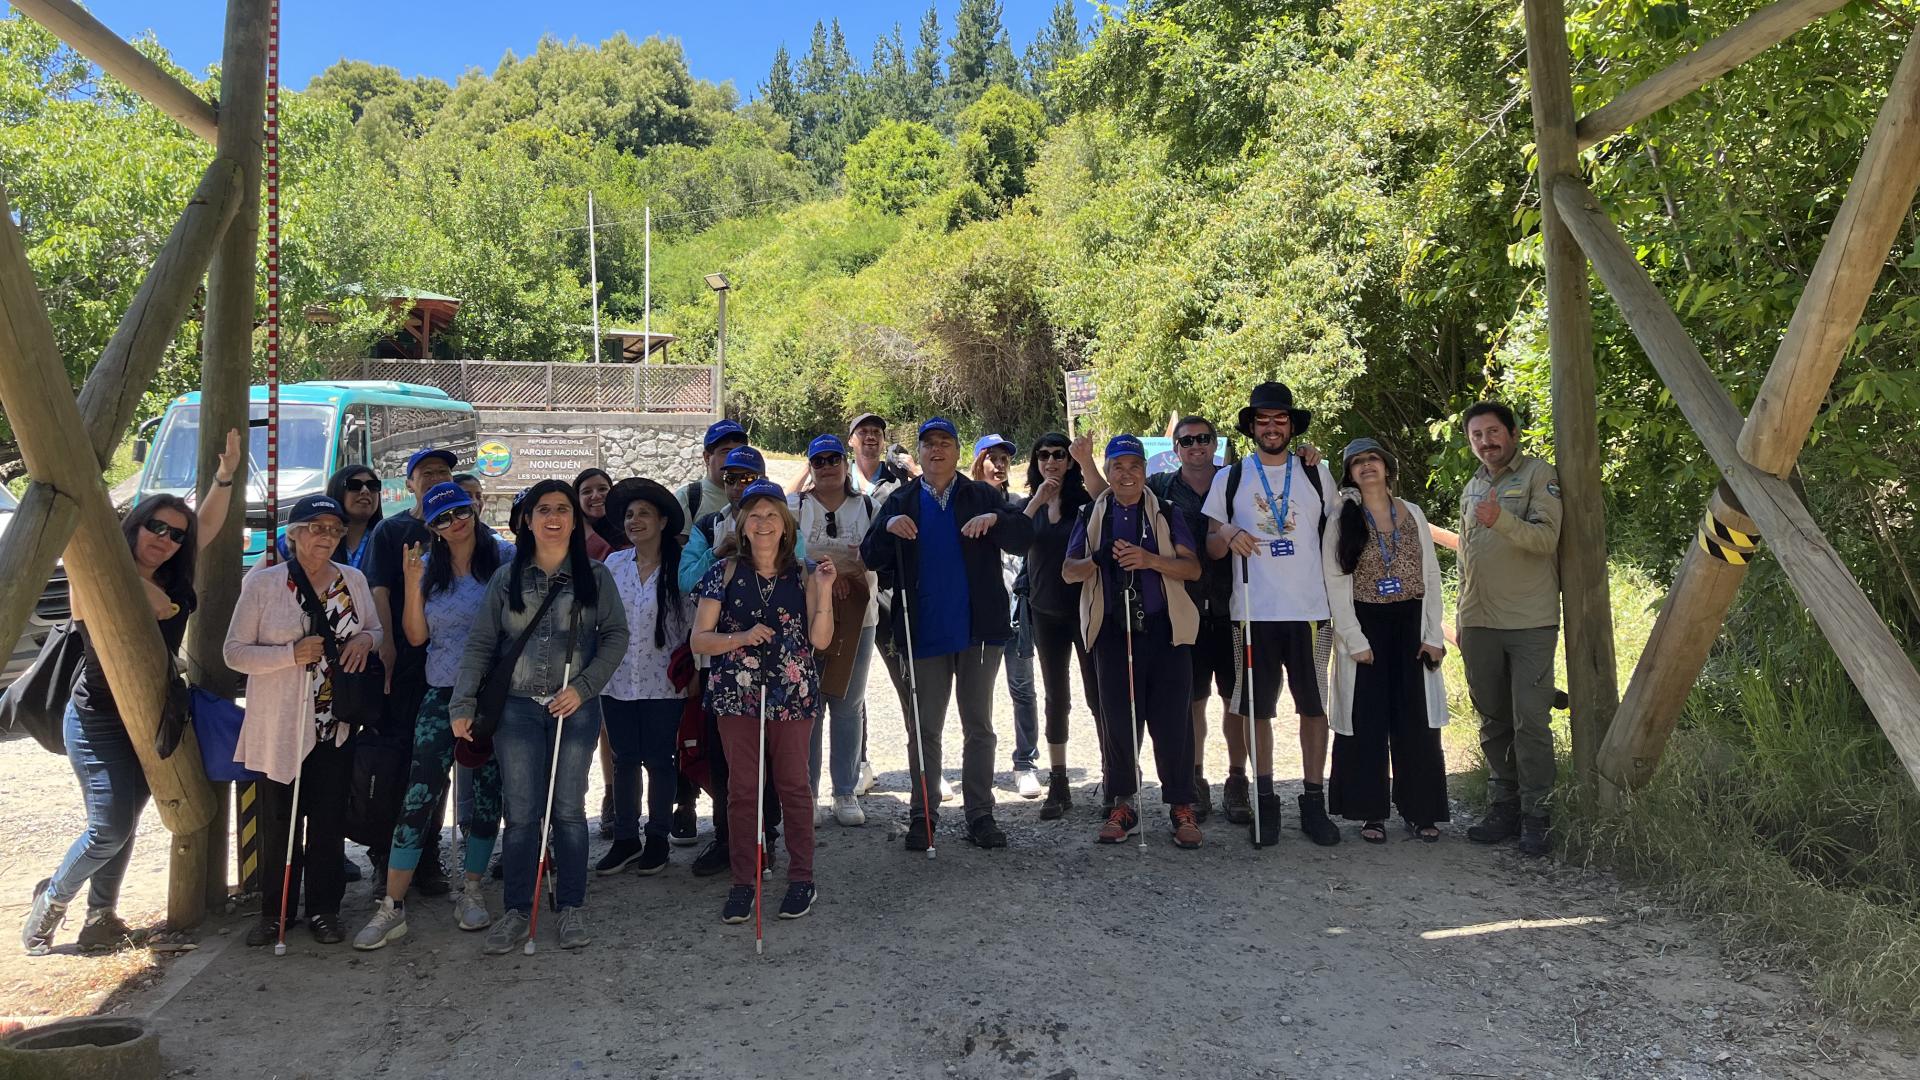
(1388, 585)
(1282, 547)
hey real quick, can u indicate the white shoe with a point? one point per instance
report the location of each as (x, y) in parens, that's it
(389, 923)
(947, 793)
(1027, 783)
(470, 908)
(865, 782)
(821, 812)
(847, 810)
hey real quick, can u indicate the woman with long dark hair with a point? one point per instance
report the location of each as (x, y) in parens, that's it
(604, 535)
(357, 489)
(445, 586)
(164, 534)
(1058, 492)
(553, 694)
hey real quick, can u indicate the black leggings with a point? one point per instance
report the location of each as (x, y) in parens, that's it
(1055, 638)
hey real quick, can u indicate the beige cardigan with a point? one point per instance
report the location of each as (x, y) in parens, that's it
(1348, 640)
(278, 731)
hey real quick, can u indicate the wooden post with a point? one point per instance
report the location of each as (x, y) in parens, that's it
(1592, 685)
(72, 24)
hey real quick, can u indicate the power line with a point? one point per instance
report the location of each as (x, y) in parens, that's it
(680, 214)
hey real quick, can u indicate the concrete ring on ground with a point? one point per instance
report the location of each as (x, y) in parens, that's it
(89, 1048)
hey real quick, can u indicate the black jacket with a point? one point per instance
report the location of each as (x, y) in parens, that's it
(898, 561)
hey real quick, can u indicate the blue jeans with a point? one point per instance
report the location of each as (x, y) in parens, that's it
(115, 790)
(643, 733)
(848, 717)
(524, 748)
(1026, 704)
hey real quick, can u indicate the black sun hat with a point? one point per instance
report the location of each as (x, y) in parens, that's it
(1273, 395)
(635, 488)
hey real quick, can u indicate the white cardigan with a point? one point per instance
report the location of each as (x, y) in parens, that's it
(1348, 639)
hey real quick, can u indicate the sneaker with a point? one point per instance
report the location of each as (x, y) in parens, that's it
(983, 832)
(470, 908)
(1269, 832)
(389, 923)
(1203, 798)
(1501, 823)
(919, 834)
(713, 859)
(847, 810)
(1027, 782)
(104, 930)
(653, 858)
(622, 854)
(265, 930)
(606, 815)
(573, 929)
(1186, 827)
(326, 929)
(508, 934)
(1536, 837)
(1059, 796)
(799, 899)
(1122, 823)
(865, 783)
(44, 917)
(1239, 809)
(1314, 820)
(431, 878)
(739, 905)
(947, 794)
(685, 831)
(822, 812)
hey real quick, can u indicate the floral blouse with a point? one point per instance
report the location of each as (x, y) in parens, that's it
(344, 623)
(785, 665)
(642, 675)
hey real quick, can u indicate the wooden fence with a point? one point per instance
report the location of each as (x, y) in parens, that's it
(550, 386)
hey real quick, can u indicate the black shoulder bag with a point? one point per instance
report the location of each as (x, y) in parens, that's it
(358, 696)
(491, 700)
(36, 703)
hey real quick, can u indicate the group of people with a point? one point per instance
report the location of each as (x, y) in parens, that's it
(718, 638)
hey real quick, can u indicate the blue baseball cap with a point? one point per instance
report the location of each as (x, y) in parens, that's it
(315, 506)
(421, 455)
(1125, 446)
(762, 489)
(939, 423)
(825, 444)
(989, 442)
(720, 430)
(444, 497)
(745, 457)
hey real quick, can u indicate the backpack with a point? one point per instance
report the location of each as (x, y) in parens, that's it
(690, 494)
(1233, 488)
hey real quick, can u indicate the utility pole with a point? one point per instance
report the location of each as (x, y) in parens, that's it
(593, 278)
(646, 297)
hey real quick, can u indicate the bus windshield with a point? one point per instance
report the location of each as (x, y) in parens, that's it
(306, 435)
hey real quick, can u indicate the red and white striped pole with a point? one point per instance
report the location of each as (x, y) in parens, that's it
(273, 280)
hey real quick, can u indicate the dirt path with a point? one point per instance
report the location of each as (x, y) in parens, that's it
(1054, 959)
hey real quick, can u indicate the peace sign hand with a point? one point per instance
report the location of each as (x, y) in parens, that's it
(414, 566)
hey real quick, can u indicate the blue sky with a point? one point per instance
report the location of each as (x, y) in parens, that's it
(724, 39)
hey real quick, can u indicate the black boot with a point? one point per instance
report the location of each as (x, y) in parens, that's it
(1535, 836)
(1202, 797)
(1238, 810)
(1314, 820)
(1059, 796)
(1502, 822)
(1268, 834)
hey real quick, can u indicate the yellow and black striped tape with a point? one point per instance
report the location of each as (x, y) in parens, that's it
(1725, 543)
(249, 837)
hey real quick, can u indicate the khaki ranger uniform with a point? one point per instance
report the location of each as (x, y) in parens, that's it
(1509, 624)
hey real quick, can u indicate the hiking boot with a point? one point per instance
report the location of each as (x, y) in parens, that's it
(1122, 823)
(431, 878)
(1268, 833)
(44, 917)
(848, 811)
(606, 815)
(1314, 820)
(1186, 827)
(799, 899)
(713, 859)
(866, 781)
(919, 834)
(1202, 797)
(105, 930)
(1234, 792)
(389, 923)
(573, 929)
(1535, 836)
(685, 831)
(1059, 796)
(739, 905)
(984, 833)
(653, 857)
(508, 934)
(470, 908)
(1501, 823)
(1026, 781)
(326, 929)
(622, 854)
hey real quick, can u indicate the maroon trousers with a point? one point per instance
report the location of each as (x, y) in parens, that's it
(789, 744)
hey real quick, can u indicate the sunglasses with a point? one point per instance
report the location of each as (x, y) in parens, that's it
(162, 529)
(360, 483)
(446, 520)
(1196, 440)
(833, 527)
(738, 476)
(1050, 455)
(331, 532)
(828, 461)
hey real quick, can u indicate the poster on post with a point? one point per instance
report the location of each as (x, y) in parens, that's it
(1080, 394)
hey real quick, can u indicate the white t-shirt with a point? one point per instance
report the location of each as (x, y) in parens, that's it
(850, 524)
(1285, 583)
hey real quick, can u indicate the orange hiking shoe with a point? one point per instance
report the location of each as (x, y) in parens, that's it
(1122, 822)
(1186, 827)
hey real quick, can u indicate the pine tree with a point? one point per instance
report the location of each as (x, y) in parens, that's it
(977, 34)
(778, 91)
(1058, 40)
(927, 81)
(889, 81)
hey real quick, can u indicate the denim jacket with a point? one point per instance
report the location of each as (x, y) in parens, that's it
(599, 642)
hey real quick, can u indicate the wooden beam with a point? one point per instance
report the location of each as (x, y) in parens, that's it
(1592, 687)
(1756, 34)
(46, 421)
(1843, 279)
(91, 38)
(1866, 648)
(33, 540)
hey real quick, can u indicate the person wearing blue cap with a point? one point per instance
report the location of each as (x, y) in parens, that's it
(1124, 552)
(701, 497)
(993, 465)
(939, 541)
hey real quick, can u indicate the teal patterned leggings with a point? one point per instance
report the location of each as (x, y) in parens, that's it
(432, 760)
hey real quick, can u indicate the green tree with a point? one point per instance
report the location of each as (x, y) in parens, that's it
(980, 56)
(1058, 41)
(779, 91)
(999, 137)
(928, 81)
(899, 165)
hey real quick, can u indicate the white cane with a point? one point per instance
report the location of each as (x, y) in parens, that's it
(293, 817)
(760, 824)
(913, 693)
(546, 819)
(1246, 715)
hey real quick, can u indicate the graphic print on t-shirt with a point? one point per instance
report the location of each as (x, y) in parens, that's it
(1285, 583)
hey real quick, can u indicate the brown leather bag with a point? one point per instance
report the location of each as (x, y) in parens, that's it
(836, 660)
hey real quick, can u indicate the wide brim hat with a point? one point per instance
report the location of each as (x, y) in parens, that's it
(627, 491)
(1273, 395)
(1364, 445)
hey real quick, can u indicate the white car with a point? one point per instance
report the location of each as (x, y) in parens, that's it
(52, 610)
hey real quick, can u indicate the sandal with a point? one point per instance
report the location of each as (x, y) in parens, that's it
(1426, 834)
(1374, 832)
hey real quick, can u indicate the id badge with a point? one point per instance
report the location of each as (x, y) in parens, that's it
(1389, 586)
(1279, 549)
(1135, 609)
